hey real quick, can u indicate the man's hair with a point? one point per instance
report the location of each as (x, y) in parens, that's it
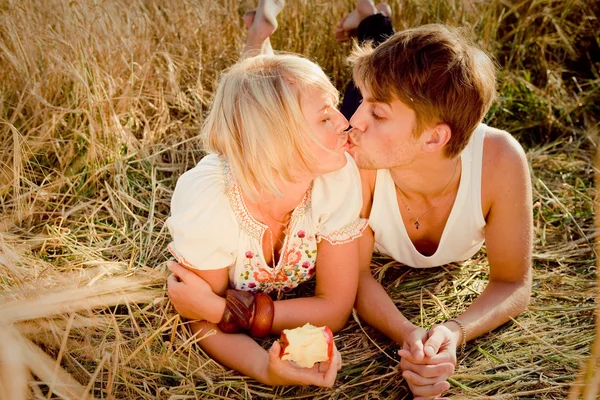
(437, 72)
(256, 121)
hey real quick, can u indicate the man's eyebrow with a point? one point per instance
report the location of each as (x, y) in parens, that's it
(373, 100)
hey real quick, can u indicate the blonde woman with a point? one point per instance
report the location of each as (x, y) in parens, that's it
(275, 203)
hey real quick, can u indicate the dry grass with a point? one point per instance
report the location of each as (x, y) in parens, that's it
(100, 105)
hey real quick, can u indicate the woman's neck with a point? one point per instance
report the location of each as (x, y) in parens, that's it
(280, 208)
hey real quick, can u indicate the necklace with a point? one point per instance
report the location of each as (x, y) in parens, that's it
(272, 218)
(285, 226)
(403, 198)
(275, 270)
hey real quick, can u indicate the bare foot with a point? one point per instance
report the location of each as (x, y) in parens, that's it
(346, 28)
(385, 9)
(261, 24)
(364, 8)
(248, 18)
(265, 21)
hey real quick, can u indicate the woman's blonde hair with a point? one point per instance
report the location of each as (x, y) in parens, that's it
(256, 121)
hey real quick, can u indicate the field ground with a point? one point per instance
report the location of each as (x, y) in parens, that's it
(100, 105)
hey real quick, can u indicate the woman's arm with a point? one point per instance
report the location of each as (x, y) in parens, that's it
(242, 353)
(337, 281)
(192, 295)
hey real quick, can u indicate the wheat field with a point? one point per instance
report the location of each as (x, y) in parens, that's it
(101, 102)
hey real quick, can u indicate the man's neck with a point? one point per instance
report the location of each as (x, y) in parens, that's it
(427, 177)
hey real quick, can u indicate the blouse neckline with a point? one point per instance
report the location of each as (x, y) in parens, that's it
(246, 220)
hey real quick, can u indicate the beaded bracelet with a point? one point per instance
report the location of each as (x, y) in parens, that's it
(463, 345)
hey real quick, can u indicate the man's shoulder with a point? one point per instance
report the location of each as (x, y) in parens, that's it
(503, 157)
(502, 153)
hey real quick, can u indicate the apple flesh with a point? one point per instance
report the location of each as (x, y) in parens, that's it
(307, 345)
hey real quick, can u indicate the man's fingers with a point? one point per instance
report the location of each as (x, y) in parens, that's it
(429, 391)
(434, 342)
(444, 370)
(406, 354)
(418, 380)
(446, 356)
(416, 348)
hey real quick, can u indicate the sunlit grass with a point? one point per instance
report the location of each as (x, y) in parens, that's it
(100, 103)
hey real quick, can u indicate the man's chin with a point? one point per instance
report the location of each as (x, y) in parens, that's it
(362, 162)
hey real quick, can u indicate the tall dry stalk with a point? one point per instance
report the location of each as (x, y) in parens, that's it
(587, 383)
(100, 103)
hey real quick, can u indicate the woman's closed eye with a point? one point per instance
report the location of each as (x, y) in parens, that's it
(375, 116)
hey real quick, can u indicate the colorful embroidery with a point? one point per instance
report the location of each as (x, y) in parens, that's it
(346, 233)
(297, 263)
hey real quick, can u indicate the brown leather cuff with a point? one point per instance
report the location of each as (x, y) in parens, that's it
(238, 311)
(264, 313)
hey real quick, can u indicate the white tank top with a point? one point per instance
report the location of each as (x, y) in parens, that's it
(463, 234)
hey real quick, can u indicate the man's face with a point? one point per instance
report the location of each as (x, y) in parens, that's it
(382, 134)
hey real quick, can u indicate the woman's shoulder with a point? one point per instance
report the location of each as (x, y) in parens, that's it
(202, 189)
(346, 177)
(336, 204)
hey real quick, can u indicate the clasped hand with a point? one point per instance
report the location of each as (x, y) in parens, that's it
(192, 297)
(428, 360)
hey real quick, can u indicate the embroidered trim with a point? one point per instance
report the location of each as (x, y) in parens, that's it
(245, 220)
(180, 259)
(347, 233)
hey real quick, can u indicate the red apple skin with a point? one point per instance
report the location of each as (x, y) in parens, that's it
(328, 339)
(283, 341)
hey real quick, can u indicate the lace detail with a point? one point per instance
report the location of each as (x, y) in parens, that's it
(347, 233)
(180, 259)
(245, 220)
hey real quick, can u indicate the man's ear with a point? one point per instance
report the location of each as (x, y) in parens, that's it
(437, 137)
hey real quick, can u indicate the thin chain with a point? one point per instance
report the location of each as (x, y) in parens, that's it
(266, 214)
(403, 197)
(285, 226)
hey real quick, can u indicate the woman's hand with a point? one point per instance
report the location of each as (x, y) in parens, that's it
(192, 296)
(280, 372)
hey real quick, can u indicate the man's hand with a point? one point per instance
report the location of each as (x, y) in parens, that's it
(192, 297)
(428, 360)
(280, 372)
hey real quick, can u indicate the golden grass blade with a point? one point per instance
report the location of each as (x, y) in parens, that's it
(58, 380)
(13, 371)
(103, 294)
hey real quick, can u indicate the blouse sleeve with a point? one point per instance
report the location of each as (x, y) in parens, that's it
(202, 224)
(336, 205)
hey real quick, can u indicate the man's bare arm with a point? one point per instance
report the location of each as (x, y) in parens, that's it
(508, 236)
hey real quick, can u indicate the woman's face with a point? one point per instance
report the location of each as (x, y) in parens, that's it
(328, 126)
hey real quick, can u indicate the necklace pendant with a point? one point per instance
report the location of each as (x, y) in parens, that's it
(417, 224)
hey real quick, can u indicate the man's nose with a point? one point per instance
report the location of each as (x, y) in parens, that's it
(356, 121)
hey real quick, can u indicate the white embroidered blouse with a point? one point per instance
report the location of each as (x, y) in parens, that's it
(212, 228)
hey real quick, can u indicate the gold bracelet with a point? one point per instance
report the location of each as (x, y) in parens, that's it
(463, 346)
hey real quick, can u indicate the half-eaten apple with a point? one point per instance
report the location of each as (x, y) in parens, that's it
(307, 345)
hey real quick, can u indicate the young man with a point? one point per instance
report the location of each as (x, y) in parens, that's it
(437, 183)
